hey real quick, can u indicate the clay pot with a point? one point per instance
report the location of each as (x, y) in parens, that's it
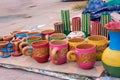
(4, 53)
(16, 48)
(7, 38)
(47, 33)
(85, 54)
(3, 43)
(58, 51)
(35, 33)
(1, 38)
(57, 36)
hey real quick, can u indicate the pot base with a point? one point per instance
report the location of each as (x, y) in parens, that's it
(41, 59)
(113, 71)
(16, 54)
(5, 56)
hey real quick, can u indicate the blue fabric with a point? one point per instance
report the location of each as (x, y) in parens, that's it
(97, 7)
(114, 40)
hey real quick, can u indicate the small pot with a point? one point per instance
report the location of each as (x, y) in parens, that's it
(1, 38)
(7, 38)
(57, 36)
(47, 33)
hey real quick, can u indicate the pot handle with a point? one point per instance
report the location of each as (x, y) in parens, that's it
(54, 54)
(71, 55)
(27, 50)
(47, 37)
(21, 46)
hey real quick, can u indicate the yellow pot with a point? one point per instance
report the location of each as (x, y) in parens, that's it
(101, 42)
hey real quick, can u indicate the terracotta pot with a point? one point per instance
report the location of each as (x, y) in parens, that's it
(58, 51)
(29, 41)
(101, 42)
(21, 34)
(57, 36)
(16, 44)
(47, 33)
(1, 38)
(3, 43)
(4, 53)
(85, 54)
(39, 51)
(8, 38)
(73, 42)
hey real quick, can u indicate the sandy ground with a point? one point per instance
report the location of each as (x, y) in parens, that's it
(26, 14)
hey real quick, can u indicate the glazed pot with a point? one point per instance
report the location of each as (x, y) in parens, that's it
(47, 33)
(85, 55)
(39, 49)
(4, 51)
(101, 42)
(57, 36)
(58, 51)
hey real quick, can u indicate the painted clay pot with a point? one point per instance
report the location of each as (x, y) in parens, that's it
(101, 42)
(16, 44)
(8, 38)
(85, 54)
(47, 33)
(73, 42)
(58, 51)
(57, 36)
(111, 55)
(39, 49)
(1, 38)
(29, 41)
(30, 34)
(21, 34)
(4, 53)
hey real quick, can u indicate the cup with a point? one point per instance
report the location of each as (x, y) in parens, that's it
(29, 41)
(16, 48)
(39, 49)
(47, 33)
(101, 42)
(5, 49)
(8, 37)
(57, 36)
(58, 51)
(73, 42)
(85, 55)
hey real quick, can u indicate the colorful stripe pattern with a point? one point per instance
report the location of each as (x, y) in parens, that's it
(59, 27)
(105, 18)
(76, 24)
(66, 21)
(95, 28)
(86, 24)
